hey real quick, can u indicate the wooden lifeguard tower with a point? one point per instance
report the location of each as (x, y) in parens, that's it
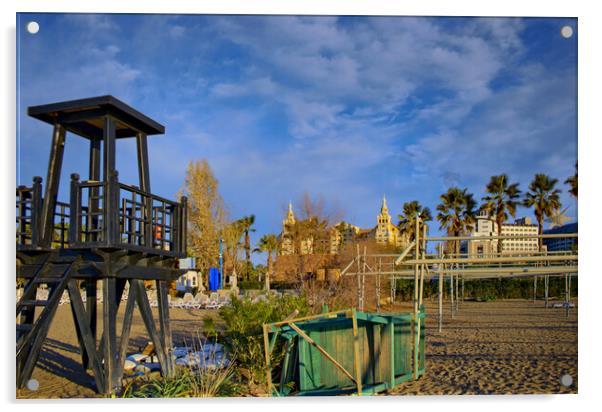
(108, 231)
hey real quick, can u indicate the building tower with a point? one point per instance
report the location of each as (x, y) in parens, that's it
(287, 247)
(383, 227)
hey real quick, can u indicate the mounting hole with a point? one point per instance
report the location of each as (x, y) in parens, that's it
(32, 385)
(32, 27)
(566, 32)
(566, 380)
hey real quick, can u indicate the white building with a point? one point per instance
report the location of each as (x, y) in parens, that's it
(486, 226)
(188, 281)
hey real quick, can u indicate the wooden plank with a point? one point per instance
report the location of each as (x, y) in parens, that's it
(356, 355)
(327, 315)
(81, 319)
(391, 329)
(323, 352)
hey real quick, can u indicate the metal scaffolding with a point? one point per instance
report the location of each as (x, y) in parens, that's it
(414, 263)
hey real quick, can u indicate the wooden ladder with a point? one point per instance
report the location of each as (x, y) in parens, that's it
(55, 272)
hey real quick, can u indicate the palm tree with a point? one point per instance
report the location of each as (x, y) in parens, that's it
(501, 201)
(246, 223)
(269, 244)
(456, 213)
(407, 220)
(231, 234)
(544, 198)
(572, 181)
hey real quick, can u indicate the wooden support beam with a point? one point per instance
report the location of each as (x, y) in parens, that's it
(93, 200)
(143, 169)
(80, 317)
(110, 354)
(166, 339)
(126, 328)
(53, 179)
(31, 350)
(147, 317)
(91, 314)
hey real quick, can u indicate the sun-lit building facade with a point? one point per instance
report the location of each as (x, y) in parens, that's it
(343, 233)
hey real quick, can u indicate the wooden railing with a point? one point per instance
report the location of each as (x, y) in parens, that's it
(29, 207)
(105, 214)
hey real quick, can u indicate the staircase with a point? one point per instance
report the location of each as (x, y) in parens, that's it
(54, 272)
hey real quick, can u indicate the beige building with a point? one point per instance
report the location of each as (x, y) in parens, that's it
(287, 245)
(386, 233)
(486, 226)
(343, 233)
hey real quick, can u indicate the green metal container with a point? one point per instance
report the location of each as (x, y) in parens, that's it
(387, 347)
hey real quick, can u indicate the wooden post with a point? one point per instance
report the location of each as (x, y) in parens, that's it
(74, 211)
(534, 289)
(163, 303)
(94, 192)
(143, 171)
(110, 353)
(36, 210)
(53, 179)
(356, 354)
(268, 365)
(183, 224)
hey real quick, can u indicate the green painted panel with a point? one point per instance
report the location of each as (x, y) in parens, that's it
(385, 354)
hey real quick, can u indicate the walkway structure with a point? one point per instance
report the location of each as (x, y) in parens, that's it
(416, 264)
(108, 231)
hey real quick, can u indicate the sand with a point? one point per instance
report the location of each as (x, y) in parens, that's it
(501, 347)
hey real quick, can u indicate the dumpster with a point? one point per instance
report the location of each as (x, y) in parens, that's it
(344, 352)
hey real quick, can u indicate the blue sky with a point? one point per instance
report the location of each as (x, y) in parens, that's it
(349, 108)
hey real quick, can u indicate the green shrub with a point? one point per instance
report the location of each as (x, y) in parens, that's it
(244, 330)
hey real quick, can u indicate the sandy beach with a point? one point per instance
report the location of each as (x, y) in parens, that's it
(500, 347)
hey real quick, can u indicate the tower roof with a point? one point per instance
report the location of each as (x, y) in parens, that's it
(384, 208)
(84, 117)
(290, 216)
